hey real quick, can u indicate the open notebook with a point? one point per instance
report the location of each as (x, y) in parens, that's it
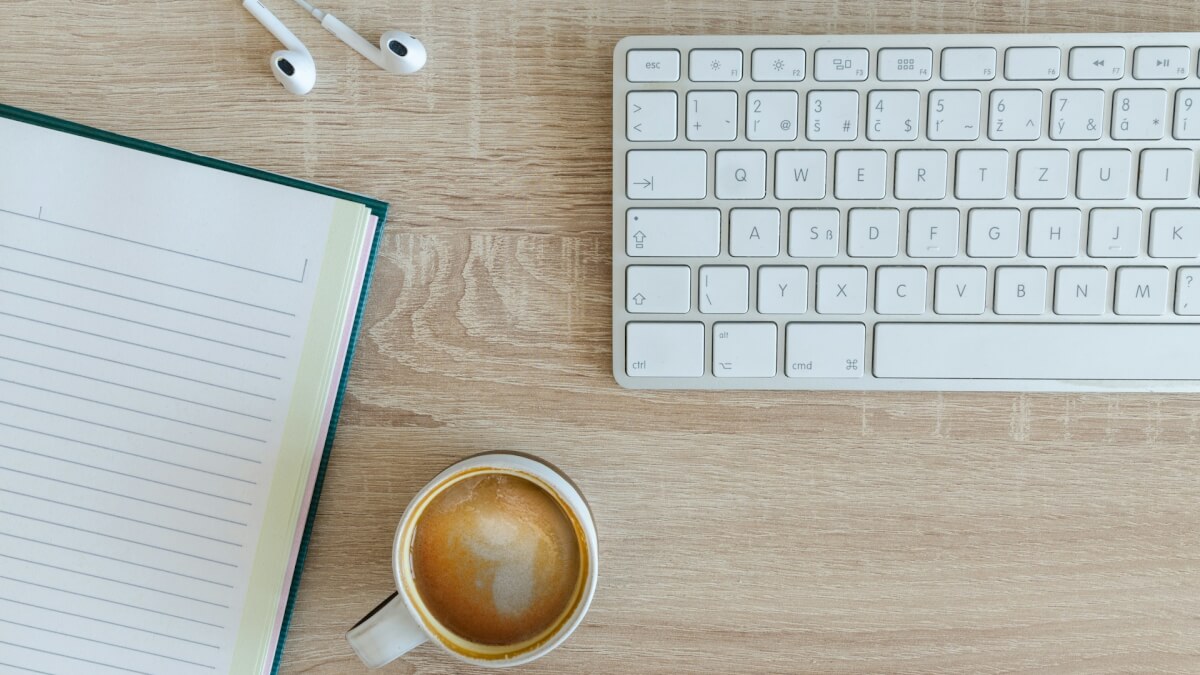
(174, 340)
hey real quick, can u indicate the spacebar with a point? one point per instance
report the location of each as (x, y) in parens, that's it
(1008, 351)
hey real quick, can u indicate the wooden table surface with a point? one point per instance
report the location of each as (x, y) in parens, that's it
(784, 532)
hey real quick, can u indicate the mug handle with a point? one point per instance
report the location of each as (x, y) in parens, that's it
(386, 634)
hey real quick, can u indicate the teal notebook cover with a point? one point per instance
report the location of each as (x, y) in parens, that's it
(378, 208)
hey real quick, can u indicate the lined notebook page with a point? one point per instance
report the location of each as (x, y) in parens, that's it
(153, 319)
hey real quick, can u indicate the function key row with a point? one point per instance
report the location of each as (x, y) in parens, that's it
(910, 64)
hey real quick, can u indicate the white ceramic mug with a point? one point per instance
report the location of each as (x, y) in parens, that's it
(402, 622)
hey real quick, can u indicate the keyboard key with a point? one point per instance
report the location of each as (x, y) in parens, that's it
(724, 289)
(1054, 233)
(1037, 352)
(1020, 290)
(920, 174)
(1161, 63)
(933, 233)
(1032, 63)
(1141, 291)
(953, 115)
(658, 289)
(1042, 174)
(741, 174)
(840, 65)
(777, 65)
(1015, 115)
(1187, 292)
(1175, 233)
(651, 115)
(1096, 63)
(754, 232)
(712, 115)
(900, 290)
(981, 174)
(1166, 174)
(814, 233)
(744, 349)
(771, 115)
(1187, 114)
(1076, 114)
(841, 290)
(782, 290)
(825, 350)
(892, 115)
(664, 349)
(1080, 291)
(665, 233)
(832, 115)
(715, 65)
(873, 233)
(968, 63)
(1103, 174)
(652, 65)
(860, 174)
(993, 233)
(905, 65)
(800, 174)
(666, 174)
(959, 290)
(1139, 114)
(1114, 233)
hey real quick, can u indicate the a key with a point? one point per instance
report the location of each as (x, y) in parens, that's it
(1187, 292)
(905, 65)
(656, 349)
(1166, 174)
(650, 116)
(840, 65)
(724, 289)
(900, 290)
(892, 115)
(666, 174)
(800, 174)
(860, 174)
(825, 350)
(744, 349)
(711, 115)
(1080, 291)
(1141, 291)
(1020, 290)
(715, 65)
(1103, 174)
(777, 65)
(1187, 114)
(953, 115)
(1076, 114)
(1114, 233)
(814, 233)
(771, 115)
(663, 233)
(741, 174)
(1175, 233)
(981, 174)
(933, 233)
(841, 290)
(1096, 63)
(959, 290)
(1054, 233)
(658, 289)
(968, 63)
(993, 233)
(754, 232)
(1015, 115)
(1139, 114)
(873, 233)
(1042, 174)
(782, 290)
(832, 115)
(1161, 63)
(920, 174)
(652, 65)
(1032, 63)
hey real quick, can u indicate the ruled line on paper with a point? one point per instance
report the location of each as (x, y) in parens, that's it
(109, 623)
(214, 429)
(153, 246)
(134, 344)
(23, 669)
(131, 365)
(120, 517)
(114, 559)
(130, 431)
(134, 454)
(116, 538)
(111, 602)
(146, 302)
(43, 366)
(74, 658)
(115, 581)
(148, 280)
(107, 644)
(142, 323)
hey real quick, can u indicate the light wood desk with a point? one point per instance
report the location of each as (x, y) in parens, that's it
(740, 531)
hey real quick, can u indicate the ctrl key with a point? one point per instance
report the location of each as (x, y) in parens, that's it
(825, 350)
(660, 349)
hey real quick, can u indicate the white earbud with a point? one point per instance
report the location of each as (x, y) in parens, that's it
(398, 52)
(292, 66)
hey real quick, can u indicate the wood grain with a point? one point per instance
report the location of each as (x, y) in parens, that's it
(740, 532)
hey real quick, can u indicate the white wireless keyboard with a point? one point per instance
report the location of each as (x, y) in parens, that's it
(879, 212)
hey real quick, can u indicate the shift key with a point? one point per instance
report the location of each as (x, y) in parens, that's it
(673, 233)
(666, 174)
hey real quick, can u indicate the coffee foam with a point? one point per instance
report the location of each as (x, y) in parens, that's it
(496, 559)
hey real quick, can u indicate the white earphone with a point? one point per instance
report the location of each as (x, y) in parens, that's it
(398, 52)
